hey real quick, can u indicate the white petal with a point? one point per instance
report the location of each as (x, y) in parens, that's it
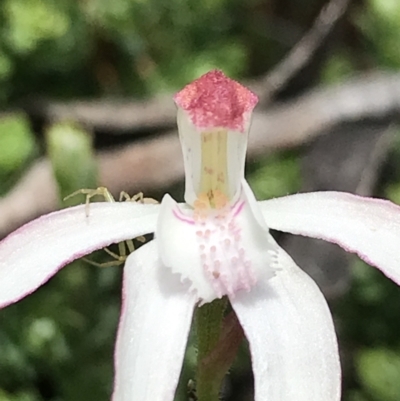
(155, 322)
(368, 227)
(35, 252)
(291, 335)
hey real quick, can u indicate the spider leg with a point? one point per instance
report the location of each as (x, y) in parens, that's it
(105, 264)
(125, 247)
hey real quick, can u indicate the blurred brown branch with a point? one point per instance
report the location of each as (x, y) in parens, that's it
(303, 51)
(115, 116)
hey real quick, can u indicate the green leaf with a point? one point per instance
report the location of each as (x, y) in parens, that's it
(274, 176)
(30, 22)
(379, 372)
(72, 158)
(17, 143)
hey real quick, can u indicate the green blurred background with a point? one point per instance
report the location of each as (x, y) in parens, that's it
(57, 345)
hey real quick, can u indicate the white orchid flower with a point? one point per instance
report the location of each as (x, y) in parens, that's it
(215, 244)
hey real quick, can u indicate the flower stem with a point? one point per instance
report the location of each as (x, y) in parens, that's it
(218, 341)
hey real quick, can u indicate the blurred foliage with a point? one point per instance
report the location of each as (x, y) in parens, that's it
(57, 345)
(275, 175)
(368, 332)
(382, 383)
(338, 67)
(380, 23)
(17, 143)
(124, 47)
(70, 149)
(17, 148)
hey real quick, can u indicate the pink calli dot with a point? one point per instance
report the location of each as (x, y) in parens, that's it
(214, 100)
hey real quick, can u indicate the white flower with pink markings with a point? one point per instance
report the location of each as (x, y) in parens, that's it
(215, 244)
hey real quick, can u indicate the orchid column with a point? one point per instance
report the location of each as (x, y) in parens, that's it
(224, 239)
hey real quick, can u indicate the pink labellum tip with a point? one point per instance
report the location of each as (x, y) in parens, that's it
(214, 100)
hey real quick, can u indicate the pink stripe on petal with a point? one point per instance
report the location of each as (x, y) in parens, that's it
(180, 216)
(238, 209)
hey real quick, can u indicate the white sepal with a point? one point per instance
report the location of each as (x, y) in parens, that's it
(291, 336)
(155, 322)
